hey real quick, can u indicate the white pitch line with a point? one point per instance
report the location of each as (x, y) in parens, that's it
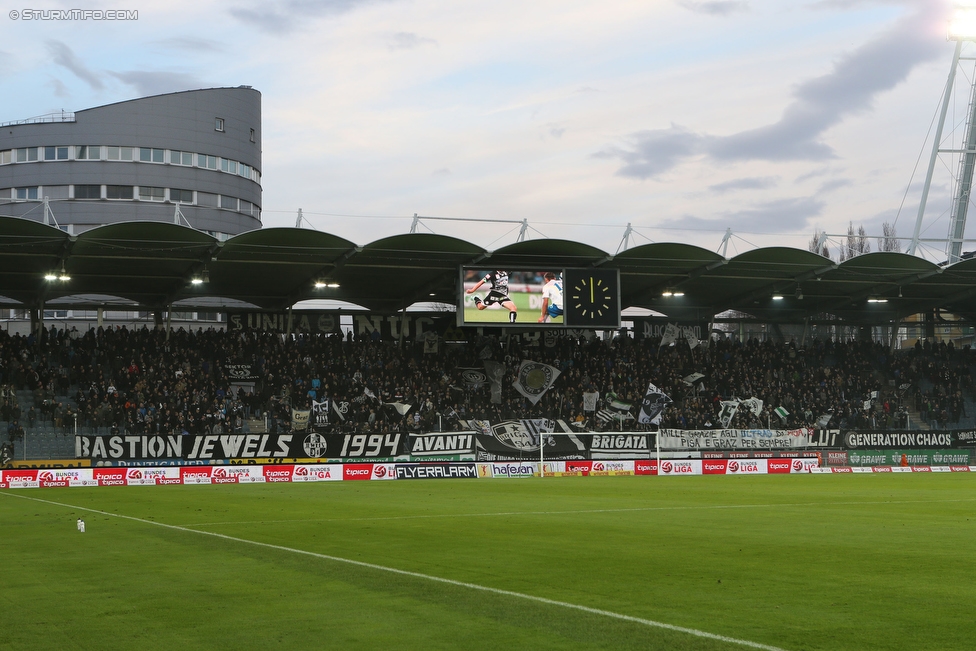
(426, 577)
(574, 512)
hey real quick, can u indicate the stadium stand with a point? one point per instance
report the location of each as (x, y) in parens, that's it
(136, 381)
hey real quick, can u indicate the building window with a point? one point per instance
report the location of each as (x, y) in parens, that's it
(147, 155)
(218, 124)
(121, 153)
(50, 153)
(5, 157)
(118, 191)
(89, 152)
(244, 170)
(180, 158)
(151, 194)
(210, 162)
(88, 192)
(27, 194)
(26, 154)
(183, 196)
(228, 202)
(253, 135)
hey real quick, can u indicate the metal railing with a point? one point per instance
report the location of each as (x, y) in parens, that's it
(62, 116)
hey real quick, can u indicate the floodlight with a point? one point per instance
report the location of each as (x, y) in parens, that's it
(319, 284)
(777, 297)
(679, 294)
(332, 285)
(196, 281)
(962, 26)
(50, 276)
(875, 299)
(667, 292)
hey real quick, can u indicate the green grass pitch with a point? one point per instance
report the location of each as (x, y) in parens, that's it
(792, 562)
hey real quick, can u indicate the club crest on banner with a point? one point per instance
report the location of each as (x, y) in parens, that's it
(534, 379)
(315, 446)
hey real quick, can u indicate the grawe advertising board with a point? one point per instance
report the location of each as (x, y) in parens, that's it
(908, 457)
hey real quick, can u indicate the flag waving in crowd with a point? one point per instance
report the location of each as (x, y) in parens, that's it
(653, 406)
(533, 379)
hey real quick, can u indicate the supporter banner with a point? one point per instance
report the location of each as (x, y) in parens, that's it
(240, 446)
(880, 440)
(515, 440)
(654, 328)
(616, 446)
(412, 326)
(451, 445)
(733, 439)
(240, 372)
(436, 471)
(911, 457)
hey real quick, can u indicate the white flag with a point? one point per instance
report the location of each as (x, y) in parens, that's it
(652, 407)
(670, 335)
(590, 400)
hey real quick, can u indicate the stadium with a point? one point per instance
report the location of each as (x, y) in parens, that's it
(419, 442)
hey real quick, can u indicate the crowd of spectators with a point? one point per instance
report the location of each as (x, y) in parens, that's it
(141, 381)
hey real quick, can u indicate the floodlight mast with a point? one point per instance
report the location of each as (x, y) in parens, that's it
(961, 29)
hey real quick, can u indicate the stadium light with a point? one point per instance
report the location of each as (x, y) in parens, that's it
(50, 276)
(962, 25)
(875, 299)
(777, 297)
(319, 284)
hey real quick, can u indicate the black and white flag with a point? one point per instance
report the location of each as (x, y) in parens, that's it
(533, 379)
(652, 407)
(727, 412)
(495, 372)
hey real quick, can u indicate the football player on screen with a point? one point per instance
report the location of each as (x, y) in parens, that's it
(552, 298)
(498, 293)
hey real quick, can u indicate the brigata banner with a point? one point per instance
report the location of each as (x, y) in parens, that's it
(190, 449)
(913, 439)
(621, 445)
(737, 439)
(436, 471)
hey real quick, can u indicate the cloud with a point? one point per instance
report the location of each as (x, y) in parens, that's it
(60, 90)
(285, 17)
(753, 183)
(147, 82)
(63, 56)
(654, 152)
(408, 41)
(190, 43)
(829, 186)
(556, 131)
(818, 104)
(786, 215)
(441, 172)
(715, 7)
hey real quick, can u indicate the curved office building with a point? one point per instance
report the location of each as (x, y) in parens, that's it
(192, 157)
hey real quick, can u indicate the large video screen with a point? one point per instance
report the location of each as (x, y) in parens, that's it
(557, 297)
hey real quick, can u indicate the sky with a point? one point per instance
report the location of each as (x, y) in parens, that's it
(682, 118)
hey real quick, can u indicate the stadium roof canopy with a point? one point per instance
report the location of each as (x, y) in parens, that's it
(151, 264)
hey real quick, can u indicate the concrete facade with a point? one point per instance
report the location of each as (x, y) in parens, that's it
(203, 149)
